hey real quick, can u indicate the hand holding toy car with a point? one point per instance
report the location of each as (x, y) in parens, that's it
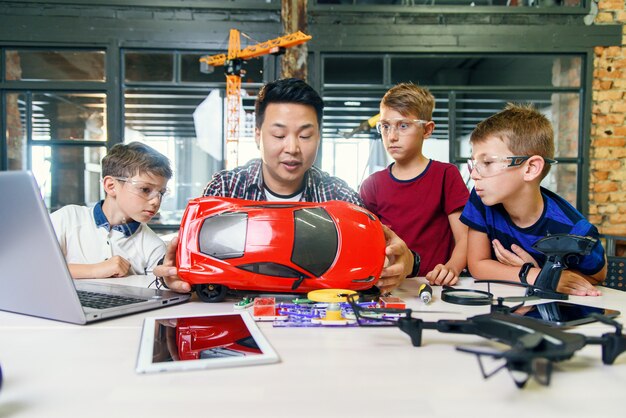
(168, 272)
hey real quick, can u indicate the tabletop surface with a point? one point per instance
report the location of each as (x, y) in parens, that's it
(54, 369)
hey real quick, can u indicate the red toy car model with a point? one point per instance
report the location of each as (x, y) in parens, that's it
(278, 246)
(215, 336)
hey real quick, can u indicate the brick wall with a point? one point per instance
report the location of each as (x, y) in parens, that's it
(607, 183)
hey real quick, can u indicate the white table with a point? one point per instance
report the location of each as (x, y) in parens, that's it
(53, 369)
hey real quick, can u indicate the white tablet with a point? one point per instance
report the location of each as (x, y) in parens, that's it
(202, 342)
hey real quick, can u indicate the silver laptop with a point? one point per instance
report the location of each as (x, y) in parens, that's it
(34, 278)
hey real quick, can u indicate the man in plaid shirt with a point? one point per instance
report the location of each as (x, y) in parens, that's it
(288, 120)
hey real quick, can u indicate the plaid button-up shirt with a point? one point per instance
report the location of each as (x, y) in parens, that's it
(246, 182)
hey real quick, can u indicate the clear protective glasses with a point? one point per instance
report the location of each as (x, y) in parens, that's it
(402, 126)
(493, 165)
(142, 189)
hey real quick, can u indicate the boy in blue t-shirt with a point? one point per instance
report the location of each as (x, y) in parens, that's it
(508, 210)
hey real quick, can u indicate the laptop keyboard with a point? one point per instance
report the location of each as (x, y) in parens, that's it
(103, 300)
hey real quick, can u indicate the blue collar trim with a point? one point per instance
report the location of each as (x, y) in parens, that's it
(127, 229)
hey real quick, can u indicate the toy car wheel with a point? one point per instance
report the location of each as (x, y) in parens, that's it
(371, 294)
(211, 292)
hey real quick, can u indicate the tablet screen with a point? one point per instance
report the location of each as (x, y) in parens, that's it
(564, 314)
(201, 342)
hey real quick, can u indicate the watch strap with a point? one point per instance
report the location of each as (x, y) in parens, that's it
(416, 264)
(523, 273)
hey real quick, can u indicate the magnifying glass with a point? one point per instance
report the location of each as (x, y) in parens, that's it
(470, 297)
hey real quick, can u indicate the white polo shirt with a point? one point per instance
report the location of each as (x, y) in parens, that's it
(83, 242)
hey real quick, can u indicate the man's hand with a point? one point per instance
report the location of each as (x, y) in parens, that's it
(115, 266)
(516, 257)
(399, 262)
(169, 272)
(442, 275)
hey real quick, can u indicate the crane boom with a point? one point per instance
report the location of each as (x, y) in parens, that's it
(253, 51)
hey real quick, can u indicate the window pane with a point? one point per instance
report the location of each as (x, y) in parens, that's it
(68, 174)
(350, 145)
(357, 70)
(55, 65)
(562, 109)
(254, 71)
(565, 118)
(344, 112)
(16, 131)
(563, 179)
(164, 120)
(69, 116)
(500, 70)
(148, 66)
(190, 70)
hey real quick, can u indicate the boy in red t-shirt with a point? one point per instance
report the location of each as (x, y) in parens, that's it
(420, 199)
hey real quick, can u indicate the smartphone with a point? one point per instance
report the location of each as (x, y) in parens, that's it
(564, 314)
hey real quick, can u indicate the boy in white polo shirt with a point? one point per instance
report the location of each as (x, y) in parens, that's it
(112, 238)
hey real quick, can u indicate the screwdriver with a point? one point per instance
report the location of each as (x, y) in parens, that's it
(425, 293)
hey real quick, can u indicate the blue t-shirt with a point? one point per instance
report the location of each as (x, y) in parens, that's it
(558, 217)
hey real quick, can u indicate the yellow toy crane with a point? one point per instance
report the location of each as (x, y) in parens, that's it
(364, 126)
(233, 68)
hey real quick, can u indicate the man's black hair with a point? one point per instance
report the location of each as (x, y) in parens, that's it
(288, 90)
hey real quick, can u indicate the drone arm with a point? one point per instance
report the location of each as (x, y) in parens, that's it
(413, 327)
(612, 346)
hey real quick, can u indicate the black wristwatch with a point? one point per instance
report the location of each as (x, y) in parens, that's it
(523, 273)
(416, 264)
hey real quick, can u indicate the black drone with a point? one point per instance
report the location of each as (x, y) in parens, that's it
(534, 346)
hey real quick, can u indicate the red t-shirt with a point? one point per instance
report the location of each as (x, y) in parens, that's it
(417, 209)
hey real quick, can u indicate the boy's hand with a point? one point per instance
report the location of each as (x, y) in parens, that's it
(516, 257)
(399, 262)
(169, 272)
(115, 266)
(442, 275)
(573, 283)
